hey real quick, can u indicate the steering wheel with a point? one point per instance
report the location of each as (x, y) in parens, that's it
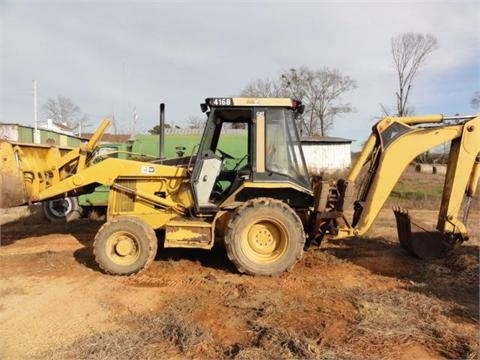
(225, 155)
(237, 165)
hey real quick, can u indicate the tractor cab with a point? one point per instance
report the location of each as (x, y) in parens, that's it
(250, 148)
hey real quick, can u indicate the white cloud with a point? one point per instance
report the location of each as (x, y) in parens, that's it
(111, 56)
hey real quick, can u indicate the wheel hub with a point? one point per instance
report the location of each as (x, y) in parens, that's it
(262, 238)
(124, 246)
(60, 207)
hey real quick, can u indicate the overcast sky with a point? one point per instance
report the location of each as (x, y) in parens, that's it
(110, 57)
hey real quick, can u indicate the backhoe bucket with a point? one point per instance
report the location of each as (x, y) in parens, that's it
(12, 189)
(420, 239)
(26, 169)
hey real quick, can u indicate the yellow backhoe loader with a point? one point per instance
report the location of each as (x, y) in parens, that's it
(260, 203)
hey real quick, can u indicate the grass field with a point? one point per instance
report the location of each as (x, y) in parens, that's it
(420, 190)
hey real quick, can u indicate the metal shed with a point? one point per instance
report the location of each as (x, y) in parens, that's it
(24, 134)
(326, 154)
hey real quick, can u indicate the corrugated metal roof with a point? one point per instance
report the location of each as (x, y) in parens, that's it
(198, 131)
(43, 130)
(168, 131)
(325, 140)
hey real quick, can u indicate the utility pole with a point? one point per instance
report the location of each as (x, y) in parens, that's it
(124, 110)
(36, 132)
(133, 128)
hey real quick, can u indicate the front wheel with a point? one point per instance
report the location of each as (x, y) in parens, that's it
(264, 237)
(124, 246)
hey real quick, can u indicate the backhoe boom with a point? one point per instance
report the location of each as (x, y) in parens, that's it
(392, 146)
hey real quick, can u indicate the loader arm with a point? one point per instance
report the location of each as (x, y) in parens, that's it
(112, 171)
(26, 170)
(392, 146)
(76, 160)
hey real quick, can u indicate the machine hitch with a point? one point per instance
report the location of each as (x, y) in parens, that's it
(421, 239)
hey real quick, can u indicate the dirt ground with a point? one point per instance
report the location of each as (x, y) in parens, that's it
(363, 298)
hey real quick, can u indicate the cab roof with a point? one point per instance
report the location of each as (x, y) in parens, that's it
(270, 102)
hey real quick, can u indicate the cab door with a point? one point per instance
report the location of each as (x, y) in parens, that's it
(224, 150)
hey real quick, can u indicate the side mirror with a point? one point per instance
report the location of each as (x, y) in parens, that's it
(301, 109)
(203, 107)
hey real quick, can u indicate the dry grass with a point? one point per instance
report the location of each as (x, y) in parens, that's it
(421, 191)
(433, 305)
(403, 317)
(273, 334)
(322, 319)
(271, 342)
(173, 335)
(142, 336)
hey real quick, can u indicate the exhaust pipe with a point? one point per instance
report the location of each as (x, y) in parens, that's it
(161, 140)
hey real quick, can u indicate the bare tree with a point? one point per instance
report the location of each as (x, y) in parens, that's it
(384, 112)
(293, 82)
(64, 112)
(156, 129)
(261, 88)
(196, 122)
(409, 52)
(475, 101)
(320, 91)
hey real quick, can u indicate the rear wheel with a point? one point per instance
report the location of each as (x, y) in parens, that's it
(124, 246)
(62, 210)
(264, 237)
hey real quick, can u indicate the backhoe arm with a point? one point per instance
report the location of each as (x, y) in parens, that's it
(392, 146)
(461, 179)
(396, 148)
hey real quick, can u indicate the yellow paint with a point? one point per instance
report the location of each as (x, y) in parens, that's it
(264, 240)
(122, 248)
(260, 141)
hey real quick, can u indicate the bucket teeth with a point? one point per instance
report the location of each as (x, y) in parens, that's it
(420, 239)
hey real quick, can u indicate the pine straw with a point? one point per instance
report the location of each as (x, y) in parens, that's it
(405, 317)
(142, 336)
(274, 335)
(383, 321)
